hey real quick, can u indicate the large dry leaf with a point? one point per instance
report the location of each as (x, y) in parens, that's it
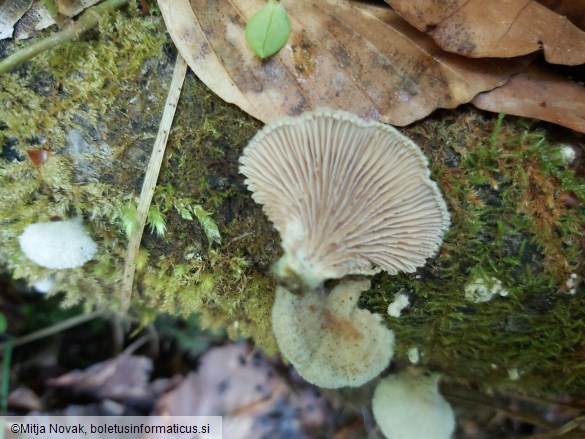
(346, 55)
(540, 94)
(496, 28)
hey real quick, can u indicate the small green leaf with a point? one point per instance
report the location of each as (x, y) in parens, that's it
(268, 29)
(209, 226)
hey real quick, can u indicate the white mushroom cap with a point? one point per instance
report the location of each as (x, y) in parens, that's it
(329, 340)
(57, 245)
(407, 406)
(347, 195)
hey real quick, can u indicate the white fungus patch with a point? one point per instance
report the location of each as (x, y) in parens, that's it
(572, 283)
(414, 355)
(400, 302)
(483, 290)
(565, 154)
(514, 374)
(44, 286)
(57, 245)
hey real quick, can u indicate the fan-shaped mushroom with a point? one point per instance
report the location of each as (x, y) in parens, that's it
(348, 196)
(330, 341)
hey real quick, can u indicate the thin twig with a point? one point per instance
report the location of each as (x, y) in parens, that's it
(54, 329)
(562, 430)
(137, 344)
(496, 405)
(152, 171)
(88, 20)
(551, 401)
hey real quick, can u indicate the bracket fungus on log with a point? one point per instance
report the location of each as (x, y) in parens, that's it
(348, 196)
(330, 341)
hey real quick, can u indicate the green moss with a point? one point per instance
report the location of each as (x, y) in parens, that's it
(109, 91)
(71, 102)
(508, 223)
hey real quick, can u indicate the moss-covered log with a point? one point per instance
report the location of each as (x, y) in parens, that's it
(517, 219)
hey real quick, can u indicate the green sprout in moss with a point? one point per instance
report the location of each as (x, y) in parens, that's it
(156, 220)
(209, 226)
(128, 216)
(142, 259)
(186, 208)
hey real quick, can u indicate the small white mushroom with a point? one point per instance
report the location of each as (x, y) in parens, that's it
(329, 340)
(406, 406)
(57, 245)
(348, 196)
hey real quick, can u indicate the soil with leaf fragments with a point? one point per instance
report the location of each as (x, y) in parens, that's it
(174, 368)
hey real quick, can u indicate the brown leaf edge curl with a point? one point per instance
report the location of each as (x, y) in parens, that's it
(541, 94)
(496, 28)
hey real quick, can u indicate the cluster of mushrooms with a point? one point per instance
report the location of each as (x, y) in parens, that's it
(349, 198)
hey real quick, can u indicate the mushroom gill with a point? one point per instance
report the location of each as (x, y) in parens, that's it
(348, 196)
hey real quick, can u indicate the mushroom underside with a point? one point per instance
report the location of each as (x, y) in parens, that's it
(329, 340)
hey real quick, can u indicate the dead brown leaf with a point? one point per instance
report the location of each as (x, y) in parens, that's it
(123, 378)
(38, 17)
(541, 94)
(574, 10)
(242, 386)
(22, 398)
(496, 28)
(353, 56)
